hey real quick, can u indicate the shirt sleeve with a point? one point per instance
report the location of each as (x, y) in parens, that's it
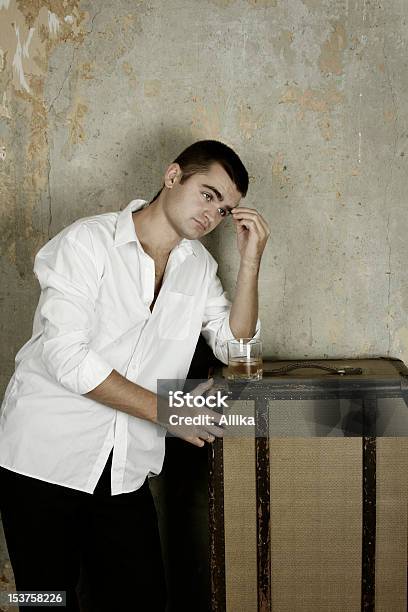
(216, 328)
(67, 271)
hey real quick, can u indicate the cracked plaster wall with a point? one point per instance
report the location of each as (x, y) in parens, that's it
(96, 97)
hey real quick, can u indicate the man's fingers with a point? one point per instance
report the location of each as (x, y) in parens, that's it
(206, 436)
(212, 430)
(239, 213)
(203, 387)
(196, 441)
(250, 224)
(200, 441)
(247, 213)
(256, 219)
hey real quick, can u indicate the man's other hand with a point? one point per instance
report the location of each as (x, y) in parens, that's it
(195, 425)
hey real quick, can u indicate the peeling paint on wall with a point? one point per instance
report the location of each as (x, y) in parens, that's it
(282, 44)
(248, 123)
(320, 102)
(312, 100)
(86, 71)
(129, 72)
(331, 58)
(205, 121)
(29, 32)
(53, 23)
(4, 109)
(151, 88)
(280, 170)
(21, 52)
(75, 122)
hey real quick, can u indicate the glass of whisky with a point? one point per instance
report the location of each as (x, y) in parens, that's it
(244, 359)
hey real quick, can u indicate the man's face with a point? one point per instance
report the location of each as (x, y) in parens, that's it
(194, 208)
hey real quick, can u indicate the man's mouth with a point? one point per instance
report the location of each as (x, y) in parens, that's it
(203, 225)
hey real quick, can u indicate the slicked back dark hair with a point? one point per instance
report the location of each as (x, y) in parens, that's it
(199, 156)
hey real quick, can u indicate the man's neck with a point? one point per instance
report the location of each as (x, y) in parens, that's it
(153, 230)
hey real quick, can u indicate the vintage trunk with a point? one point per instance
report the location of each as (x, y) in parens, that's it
(312, 516)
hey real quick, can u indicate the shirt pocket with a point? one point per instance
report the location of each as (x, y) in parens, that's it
(175, 318)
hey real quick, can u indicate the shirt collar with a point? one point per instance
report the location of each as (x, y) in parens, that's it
(125, 229)
(188, 247)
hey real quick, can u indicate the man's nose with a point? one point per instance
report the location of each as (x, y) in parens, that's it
(211, 212)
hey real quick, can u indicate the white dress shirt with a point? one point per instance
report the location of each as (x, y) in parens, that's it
(93, 316)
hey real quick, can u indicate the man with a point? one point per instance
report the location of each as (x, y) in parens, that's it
(124, 299)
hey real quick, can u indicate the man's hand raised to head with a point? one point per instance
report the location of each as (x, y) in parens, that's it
(252, 234)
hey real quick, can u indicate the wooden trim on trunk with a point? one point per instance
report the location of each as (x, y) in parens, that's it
(263, 505)
(216, 524)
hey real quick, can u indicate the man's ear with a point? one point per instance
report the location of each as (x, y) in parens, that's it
(172, 175)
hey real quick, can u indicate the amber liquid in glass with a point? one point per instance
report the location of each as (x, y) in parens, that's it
(241, 368)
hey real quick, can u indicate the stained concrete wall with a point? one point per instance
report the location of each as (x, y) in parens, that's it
(96, 97)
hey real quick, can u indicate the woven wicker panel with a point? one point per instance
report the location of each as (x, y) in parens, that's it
(391, 538)
(316, 528)
(240, 522)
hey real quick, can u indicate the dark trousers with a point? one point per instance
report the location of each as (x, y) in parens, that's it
(54, 534)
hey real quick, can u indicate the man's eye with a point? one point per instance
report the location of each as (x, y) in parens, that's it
(222, 212)
(207, 196)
